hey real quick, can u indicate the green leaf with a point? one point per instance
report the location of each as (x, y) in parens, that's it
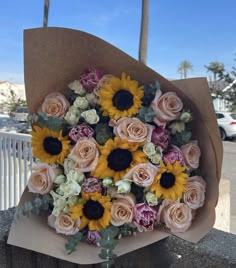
(111, 232)
(146, 114)
(103, 133)
(107, 254)
(181, 138)
(149, 93)
(108, 244)
(72, 242)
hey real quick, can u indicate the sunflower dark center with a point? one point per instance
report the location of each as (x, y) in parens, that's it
(52, 145)
(93, 210)
(119, 159)
(167, 180)
(123, 100)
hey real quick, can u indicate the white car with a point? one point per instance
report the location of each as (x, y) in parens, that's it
(227, 124)
(21, 114)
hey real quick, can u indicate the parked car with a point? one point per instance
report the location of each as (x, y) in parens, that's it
(21, 114)
(227, 124)
(9, 124)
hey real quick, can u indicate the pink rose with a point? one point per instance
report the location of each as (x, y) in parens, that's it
(101, 83)
(144, 217)
(81, 131)
(132, 129)
(41, 180)
(194, 194)
(167, 107)
(91, 185)
(176, 216)
(161, 137)
(55, 104)
(93, 237)
(64, 224)
(173, 155)
(90, 78)
(142, 174)
(122, 210)
(85, 154)
(191, 153)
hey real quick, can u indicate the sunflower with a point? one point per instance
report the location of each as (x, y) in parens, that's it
(120, 97)
(170, 181)
(94, 211)
(117, 158)
(49, 146)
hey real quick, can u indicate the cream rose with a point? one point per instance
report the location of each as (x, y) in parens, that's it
(176, 216)
(191, 153)
(64, 224)
(167, 107)
(90, 116)
(41, 180)
(85, 154)
(77, 87)
(194, 194)
(132, 129)
(55, 104)
(122, 210)
(142, 174)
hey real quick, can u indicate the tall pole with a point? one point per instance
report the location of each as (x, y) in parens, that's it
(45, 14)
(144, 33)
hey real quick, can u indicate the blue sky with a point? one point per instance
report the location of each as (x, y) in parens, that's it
(199, 31)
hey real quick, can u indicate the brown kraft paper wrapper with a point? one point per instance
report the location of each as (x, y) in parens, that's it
(54, 57)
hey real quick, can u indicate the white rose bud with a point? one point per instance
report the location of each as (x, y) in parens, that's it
(72, 201)
(54, 195)
(149, 149)
(185, 117)
(59, 205)
(56, 211)
(81, 103)
(68, 165)
(77, 87)
(90, 116)
(123, 186)
(70, 188)
(60, 179)
(91, 98)
(156, 158)
(75, 175)
(72, 116)
(151, 199)
(107, 182)
(177, 127)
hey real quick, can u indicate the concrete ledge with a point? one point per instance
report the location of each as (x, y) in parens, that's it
(217, 249)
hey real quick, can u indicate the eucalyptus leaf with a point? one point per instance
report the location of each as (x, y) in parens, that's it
(146, 114)
(103, 133)
(72, 242)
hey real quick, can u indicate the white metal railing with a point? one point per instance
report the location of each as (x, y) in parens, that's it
(15, 167)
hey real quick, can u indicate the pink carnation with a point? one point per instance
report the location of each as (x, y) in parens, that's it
(161, 137)
(174, 155)
(92, 185)
(81, 131)
(144, 217)
(90, 78)
(93, 237)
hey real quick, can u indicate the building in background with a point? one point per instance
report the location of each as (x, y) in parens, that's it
(218, 92)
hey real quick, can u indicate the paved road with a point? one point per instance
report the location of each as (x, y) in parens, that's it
(226, 209)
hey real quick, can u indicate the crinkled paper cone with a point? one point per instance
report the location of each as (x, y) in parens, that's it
(54, 57)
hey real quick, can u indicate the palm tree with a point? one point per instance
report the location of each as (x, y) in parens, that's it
(216, 68)
(143, 33)
(45, 15)
(184, 67)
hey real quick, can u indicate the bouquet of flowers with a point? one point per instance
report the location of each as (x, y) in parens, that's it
(114, 158)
